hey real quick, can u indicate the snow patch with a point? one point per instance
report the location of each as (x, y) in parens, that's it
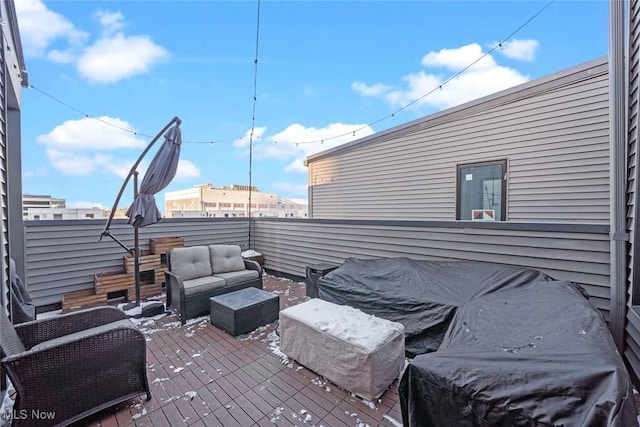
(274, 345)
(139, 414)
(393, 421)
(250, 253)
(6, 407)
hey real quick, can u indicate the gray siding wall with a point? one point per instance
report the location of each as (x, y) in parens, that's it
(4, 167)
(553, 132)
(564, 251)
(632, 337)
(11, 83)
(63, 256)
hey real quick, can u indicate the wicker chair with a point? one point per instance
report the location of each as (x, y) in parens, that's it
(72, 365)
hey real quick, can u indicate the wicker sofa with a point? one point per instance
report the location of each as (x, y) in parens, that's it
(197, 273)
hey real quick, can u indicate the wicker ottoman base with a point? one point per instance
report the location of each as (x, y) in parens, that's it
(242, 311)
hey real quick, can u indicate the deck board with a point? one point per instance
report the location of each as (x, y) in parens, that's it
(200, 375)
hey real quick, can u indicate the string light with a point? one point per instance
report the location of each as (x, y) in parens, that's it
(500, 45)
(108, 123)
(253, 119)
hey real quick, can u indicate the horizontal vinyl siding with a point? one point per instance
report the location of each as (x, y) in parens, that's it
(288, 246)
(5, 252)
(632, 328)
(557, 138)
(63, 256)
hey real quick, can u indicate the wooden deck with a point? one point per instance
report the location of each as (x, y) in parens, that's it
(201, 376)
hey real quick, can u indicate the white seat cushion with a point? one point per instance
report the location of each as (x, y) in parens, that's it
(226, 258)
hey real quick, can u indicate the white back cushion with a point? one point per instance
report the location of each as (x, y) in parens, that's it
(226, 258)
(191, 262)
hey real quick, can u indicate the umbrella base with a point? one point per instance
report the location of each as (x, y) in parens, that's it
(153, 309)
(148, 310)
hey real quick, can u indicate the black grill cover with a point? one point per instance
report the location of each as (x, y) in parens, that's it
(514, 347)
(422, 295)
(540, 355)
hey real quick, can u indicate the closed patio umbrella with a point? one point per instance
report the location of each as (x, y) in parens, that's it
(144, 211)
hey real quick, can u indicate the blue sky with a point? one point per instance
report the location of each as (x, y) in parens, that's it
(324, 69)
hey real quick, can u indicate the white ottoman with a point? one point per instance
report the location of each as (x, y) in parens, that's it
(361, 353)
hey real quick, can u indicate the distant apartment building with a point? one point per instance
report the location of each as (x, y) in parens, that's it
(36, 201)
(41, 201)
(230, 201)
(64, 213)
(44, 207)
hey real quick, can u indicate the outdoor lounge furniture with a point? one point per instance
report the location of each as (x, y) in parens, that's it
(67, 367)
(244, 310)
(539, 355)
(197, 273)
(493, 344)
(361, 353)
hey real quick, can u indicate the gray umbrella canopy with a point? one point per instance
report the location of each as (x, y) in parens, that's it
(144, 211)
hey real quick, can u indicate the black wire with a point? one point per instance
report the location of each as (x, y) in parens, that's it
(440, 86)
(253, 118)
(255, 85)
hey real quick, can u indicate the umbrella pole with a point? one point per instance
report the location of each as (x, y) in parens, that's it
(136, 245)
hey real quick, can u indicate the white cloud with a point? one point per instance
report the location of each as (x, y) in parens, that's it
(36, 173)
(120, 168)
(295, 143)
(111, 22)
(113, 59)
(370, 90)
(92, 134)
(70, 163)
(248, 138)
(523, 50)
(80, 147)
(87, 146)
(68, 56)
(40, 27)
(187, 170)
(114, 56)
(296, 166)
(298, 141)
(432, 89)
(458, 59)
(291, 188)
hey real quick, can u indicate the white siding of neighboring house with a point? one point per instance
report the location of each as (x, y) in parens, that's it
(552, 131)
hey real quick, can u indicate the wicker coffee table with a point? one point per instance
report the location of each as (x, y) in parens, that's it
(244, 310)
